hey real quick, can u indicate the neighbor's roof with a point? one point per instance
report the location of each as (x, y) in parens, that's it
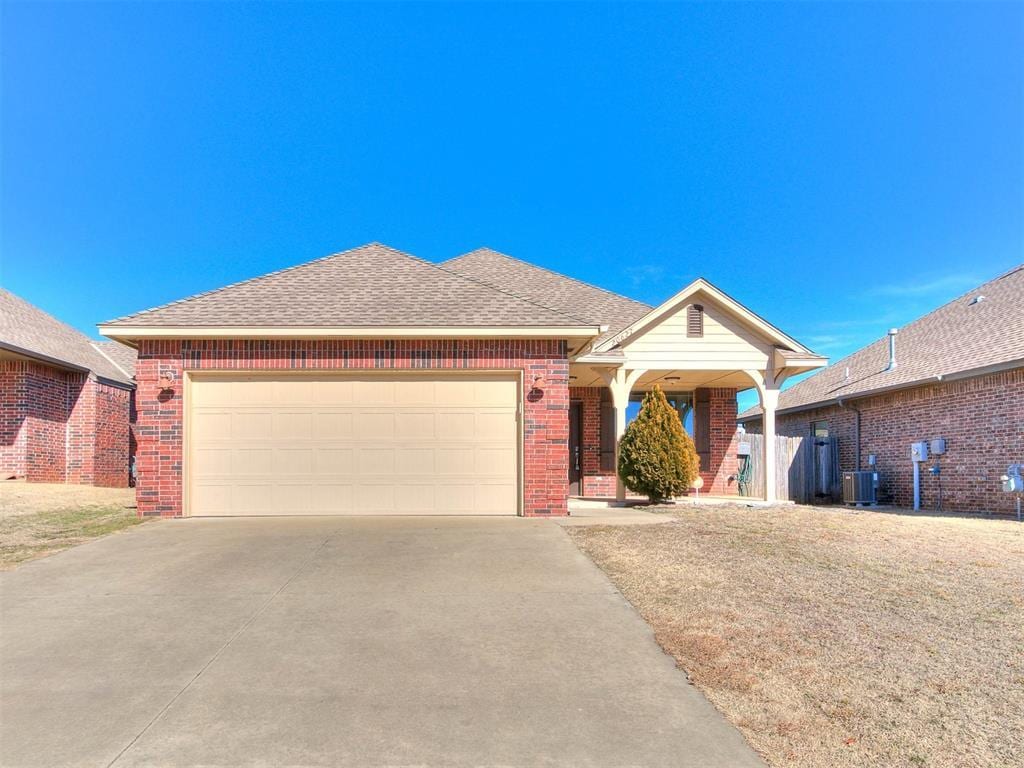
(369, 286)
(596, 305)
(29, 331)
(969, 334)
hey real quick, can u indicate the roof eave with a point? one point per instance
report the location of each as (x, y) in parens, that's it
(130, 333)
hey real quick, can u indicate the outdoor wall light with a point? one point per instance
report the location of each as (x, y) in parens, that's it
(166, 380)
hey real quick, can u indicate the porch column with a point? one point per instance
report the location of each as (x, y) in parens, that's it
(620, 381)
(769, 402)
(768, 384)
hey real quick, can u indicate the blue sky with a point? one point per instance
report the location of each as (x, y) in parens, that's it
(838, 168)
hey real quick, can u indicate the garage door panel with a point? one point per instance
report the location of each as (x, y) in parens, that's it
(376, 392)
(457, 425)
(214, 461)
(328, 444)
(453, 460)
(251, 499)
(293, 461)
(370, 497)
(374, 425)
(211, 425)
(331, 499)
(293, 425)
(252, 425)
(333, 425)
(254, 461)
(289, 391)
(332, 392)
(334, 461)
(414, 461)
(413, 499)
(376, 461)
(292, 498)
(495, 426)
(493, 498)
(498, 461)
(416, 425)
(213, 499)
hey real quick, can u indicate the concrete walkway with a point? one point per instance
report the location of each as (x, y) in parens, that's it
(339, 642)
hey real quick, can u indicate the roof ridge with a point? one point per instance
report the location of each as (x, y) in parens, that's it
(549, 271)
(372, 244)
(507, 292)
(201, 294)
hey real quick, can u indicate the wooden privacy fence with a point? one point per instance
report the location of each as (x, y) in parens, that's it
(807, 468)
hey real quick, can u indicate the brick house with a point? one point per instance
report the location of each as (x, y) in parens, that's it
(372, 381)
(958, 374)
(65, 401)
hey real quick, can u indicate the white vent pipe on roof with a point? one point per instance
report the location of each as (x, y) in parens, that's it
(892, 349)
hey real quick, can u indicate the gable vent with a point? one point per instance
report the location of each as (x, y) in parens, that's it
(695, 321)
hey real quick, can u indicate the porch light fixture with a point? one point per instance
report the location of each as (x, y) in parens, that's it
(166, 380)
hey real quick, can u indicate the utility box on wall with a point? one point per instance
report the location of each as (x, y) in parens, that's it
(919, 451)
(938, 446)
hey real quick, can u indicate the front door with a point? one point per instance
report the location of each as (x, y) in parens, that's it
(575, 447)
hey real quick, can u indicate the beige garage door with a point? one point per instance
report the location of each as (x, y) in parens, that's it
(331, 445)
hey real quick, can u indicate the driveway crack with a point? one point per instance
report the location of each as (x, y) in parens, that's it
(248, 623)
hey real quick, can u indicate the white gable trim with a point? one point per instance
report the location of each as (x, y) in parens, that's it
(701, 286)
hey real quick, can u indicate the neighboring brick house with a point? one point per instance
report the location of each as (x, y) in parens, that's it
(958, 375)
(372, 381)
(65, 401)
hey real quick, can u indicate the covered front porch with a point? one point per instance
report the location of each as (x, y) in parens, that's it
(701, 348)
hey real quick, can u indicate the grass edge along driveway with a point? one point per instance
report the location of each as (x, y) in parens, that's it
(40, 519)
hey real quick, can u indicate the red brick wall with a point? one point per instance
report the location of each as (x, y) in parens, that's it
(546, 409)
(112, 444)
(979, 417)
(12, 419)
(719, 475)
(59, 426)
(595, 483)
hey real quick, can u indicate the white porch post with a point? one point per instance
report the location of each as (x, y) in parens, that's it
(769, 402)
(768, 385)
(620, 381)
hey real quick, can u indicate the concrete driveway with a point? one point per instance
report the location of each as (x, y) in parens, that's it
(341, 642)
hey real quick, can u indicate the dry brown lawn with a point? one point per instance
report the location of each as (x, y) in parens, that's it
(38, 519)
(838, 638)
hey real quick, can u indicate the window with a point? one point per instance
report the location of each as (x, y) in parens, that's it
(702, 426)
(695, 321)
(607, 432)
(819, 429)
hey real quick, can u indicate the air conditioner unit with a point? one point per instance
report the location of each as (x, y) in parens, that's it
(860, 487)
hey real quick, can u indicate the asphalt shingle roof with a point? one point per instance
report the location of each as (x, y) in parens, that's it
(124, 357)
(370, 286)
(25, 328)
(597, 305)
(964, 335)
